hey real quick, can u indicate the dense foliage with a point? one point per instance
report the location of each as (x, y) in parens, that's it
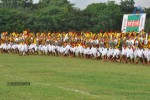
(60, 15)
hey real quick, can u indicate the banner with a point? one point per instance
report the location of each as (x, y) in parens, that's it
(133, 22)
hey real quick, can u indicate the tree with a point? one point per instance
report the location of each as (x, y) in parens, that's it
(147, 25)
(16, 3)
(60, 15)
(12, 20)
(104, 16)
(127, 6)
(52, 15)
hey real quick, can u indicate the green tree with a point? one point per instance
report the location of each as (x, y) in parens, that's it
(104, 16)
(16, 3)
(127, 6)
(60, 15)
(147, 25)
(12, 20)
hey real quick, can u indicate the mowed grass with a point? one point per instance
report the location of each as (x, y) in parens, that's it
(63, 78)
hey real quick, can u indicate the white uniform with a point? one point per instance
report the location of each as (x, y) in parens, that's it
(66, 49)
(4, 46)
(46, 49)
(43, 48)
(136, 53)
(88, 51)
(77, 51)
(140, 52)
(72, 49)
(49, 48)
(81, 50)
(53, 48)
(58, 48)
(8, 46)
(35, 47)
(145, 53)
(129, 53)
(148, 55)
(22, 48)
(25, 47)
(116, 52)
(100, 49)
(39, 47)
(14, 46)
(61, 50)
(95, 52)
(32, 47)
(19, 46)
(104, 51)
(124, 51)
(110, 52)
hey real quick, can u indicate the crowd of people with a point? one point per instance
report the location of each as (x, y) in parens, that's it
(129, 47)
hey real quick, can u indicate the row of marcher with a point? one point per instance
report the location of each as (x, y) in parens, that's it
(131, 47)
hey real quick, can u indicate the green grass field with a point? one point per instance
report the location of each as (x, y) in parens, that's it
(63, 78)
